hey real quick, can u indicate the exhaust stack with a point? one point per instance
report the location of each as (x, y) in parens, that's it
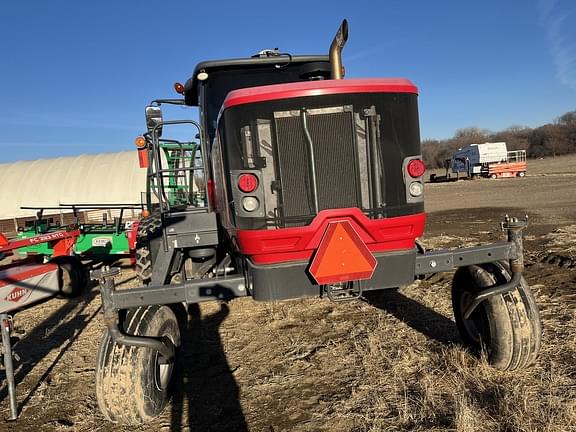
(336, 50)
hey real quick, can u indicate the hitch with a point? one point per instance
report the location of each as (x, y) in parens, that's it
(105, 278)
(513, 227)
(343, 291)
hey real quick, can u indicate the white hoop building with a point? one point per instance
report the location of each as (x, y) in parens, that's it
(107, 178)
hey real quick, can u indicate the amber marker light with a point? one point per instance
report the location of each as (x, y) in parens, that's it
(140, 142)
(179, 88)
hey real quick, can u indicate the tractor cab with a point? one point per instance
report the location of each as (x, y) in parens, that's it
(213, 80)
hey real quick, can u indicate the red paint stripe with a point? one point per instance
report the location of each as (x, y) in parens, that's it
(42, 238)
(318, 88)
(297, 244)
(19, 274)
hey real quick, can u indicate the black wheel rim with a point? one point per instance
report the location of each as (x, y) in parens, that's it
(475, 326)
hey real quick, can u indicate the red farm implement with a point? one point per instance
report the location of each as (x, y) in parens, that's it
(28, 281)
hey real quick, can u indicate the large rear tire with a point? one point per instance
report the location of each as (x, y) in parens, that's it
(132, 385)
(143, 265)
(150, 228)
(506, 327)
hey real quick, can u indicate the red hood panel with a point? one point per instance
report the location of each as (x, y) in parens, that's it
(318, 88)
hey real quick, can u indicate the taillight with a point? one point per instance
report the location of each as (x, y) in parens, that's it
(211, 196)
(416, 168)
(416, 189)
(143, 159)
(247, 182)
(250, 203)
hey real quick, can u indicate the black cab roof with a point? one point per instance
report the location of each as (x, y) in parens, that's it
(303, 66)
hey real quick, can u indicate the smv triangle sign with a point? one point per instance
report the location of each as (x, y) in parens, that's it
(342, 256)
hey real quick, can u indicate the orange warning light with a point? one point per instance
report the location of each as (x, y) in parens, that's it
(342, 256)
(179, 88)
(140, 142)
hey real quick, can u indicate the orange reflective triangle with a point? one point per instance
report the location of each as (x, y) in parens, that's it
(342, 256)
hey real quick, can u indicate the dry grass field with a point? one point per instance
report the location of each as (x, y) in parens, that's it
(393, 362)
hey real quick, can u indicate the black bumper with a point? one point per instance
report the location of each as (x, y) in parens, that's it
(292, 280)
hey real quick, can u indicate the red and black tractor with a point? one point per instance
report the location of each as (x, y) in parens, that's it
(304, 184)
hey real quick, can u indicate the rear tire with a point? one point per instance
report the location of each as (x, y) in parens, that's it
(143, 265)
(506, 327)
(132, 387)
(521, 174)
(149, 229)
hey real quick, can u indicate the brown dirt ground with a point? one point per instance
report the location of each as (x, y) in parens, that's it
(394, 364)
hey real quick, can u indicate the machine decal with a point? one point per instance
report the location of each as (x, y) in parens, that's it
(101, 241)
(18, 294)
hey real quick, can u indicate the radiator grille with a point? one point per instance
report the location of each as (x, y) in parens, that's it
(333, 138)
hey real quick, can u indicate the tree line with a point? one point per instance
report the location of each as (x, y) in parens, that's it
(552, 139)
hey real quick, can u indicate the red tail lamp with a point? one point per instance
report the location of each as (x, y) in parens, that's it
(247, 183)
(211, 196)
(143, 159)
(416, 168)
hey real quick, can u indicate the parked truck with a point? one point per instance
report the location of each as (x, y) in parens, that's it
(491, 160)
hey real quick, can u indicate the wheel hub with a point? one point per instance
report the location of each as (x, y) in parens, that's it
(163, 369)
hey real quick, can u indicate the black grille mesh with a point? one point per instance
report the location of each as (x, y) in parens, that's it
(335, 154)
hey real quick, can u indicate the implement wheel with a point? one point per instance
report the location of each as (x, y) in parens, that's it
(72, 276)
(506, 327)
(133, 383)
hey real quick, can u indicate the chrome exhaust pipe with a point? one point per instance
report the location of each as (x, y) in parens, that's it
(336, 50)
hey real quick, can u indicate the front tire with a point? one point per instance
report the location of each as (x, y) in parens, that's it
(506, 327)
(132, 384)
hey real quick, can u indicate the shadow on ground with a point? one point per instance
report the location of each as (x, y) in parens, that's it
(57, 332)
(419, 317)
(207, 395)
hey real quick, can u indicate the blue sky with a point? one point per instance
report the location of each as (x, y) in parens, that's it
(75, 76)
